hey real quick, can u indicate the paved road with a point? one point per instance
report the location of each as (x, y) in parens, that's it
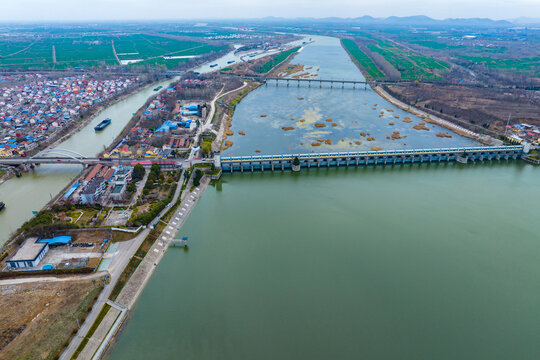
(124, 252)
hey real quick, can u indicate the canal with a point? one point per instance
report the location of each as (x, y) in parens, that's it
(405, 262)
(32, 191)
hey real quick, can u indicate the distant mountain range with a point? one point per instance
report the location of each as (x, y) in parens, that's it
(418, 20)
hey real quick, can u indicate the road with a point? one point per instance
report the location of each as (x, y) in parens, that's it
(122, 255)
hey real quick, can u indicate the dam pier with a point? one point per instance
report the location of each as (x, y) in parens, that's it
(231, 164)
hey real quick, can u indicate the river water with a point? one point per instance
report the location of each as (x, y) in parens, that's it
(33, 190)
(432, 261)
(353, 111)
(414, 262)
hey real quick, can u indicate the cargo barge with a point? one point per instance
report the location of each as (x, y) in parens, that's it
(102, 125)
(158, 88)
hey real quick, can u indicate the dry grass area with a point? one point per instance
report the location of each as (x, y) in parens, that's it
(421, 126)
(472, 107)
(38, 319)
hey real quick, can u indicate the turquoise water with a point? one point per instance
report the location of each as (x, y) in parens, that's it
(414, 262)
(354, 111)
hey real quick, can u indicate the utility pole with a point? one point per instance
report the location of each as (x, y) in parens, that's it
(507, 123)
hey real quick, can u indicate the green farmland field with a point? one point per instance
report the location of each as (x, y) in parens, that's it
(276, 59)
(527, 65)
(90, 51)
(411, 66)
(364, 61)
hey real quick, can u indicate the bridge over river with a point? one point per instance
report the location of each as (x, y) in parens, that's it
(365, 158)
(286, 161)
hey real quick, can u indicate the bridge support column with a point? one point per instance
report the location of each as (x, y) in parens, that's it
(298, 82)
(318, 163)
(320, 84)
(272, 163)
(282, 165)
(262, 166)
(287, 83)
(241, 167)
(331, 84)
(309, 83)
(357, 159)
(338, 161)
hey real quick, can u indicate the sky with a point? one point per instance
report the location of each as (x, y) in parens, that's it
(95, 10)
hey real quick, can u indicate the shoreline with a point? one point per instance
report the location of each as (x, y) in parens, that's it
(427, 117)
(459, 130)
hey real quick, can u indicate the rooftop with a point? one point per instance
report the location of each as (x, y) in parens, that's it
(29, 250)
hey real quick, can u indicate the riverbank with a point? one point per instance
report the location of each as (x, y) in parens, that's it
(107, 328)
(94, 113)
(429, 118)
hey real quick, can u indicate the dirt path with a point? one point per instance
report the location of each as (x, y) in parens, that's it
(115, 54)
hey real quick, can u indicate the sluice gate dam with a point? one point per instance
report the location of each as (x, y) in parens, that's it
(365, 158)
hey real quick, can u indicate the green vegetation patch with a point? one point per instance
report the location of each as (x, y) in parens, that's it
(362, 59)
(411, 66)
(276, 60)
(518, 65)
(92, 330)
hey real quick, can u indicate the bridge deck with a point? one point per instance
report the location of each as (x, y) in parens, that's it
(272, 162)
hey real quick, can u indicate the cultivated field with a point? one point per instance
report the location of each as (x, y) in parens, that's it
(91, 51)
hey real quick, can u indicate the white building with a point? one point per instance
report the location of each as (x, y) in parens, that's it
(29, 254)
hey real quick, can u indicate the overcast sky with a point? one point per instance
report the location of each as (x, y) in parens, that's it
(79, 10)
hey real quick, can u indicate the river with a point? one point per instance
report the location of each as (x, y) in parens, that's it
(414, 262)
(432, 261)
(33, 190)
(352, 113)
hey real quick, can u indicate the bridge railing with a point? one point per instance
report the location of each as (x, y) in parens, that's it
(474, 149)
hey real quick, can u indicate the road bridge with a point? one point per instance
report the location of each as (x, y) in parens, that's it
(365, 158)
(332, 82)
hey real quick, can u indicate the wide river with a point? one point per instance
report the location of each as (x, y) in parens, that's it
(355, 115)
(415, 262)
(437, 261)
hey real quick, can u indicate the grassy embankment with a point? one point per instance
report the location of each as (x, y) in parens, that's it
(92, 330)
(276, 60)
(362, 59)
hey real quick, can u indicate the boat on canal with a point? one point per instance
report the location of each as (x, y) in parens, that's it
(102, 125)
(2, 206)
(158, 88)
